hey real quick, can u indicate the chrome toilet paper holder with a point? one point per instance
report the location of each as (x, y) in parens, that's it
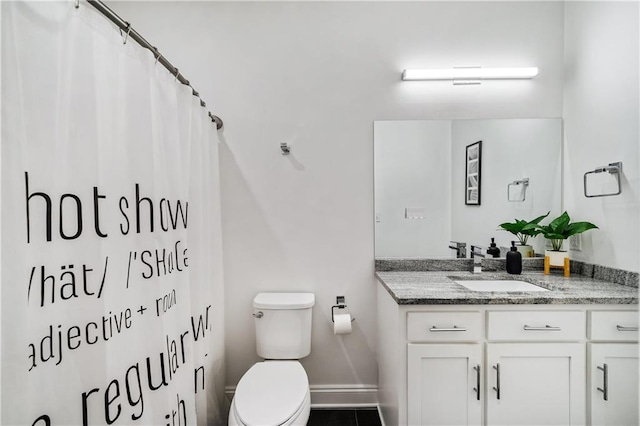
(340, 304)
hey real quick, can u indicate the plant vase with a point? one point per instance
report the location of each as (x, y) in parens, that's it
(556, 259)
(525, 250)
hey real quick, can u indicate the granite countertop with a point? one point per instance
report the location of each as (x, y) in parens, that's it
(439, 288)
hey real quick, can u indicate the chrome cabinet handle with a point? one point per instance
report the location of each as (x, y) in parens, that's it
(605, 388)
(455, 328)
(258, 314)
(497, 386)
(545, 328)
(623, 328)
(477, 388)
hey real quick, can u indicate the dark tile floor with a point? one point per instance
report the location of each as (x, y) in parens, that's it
(359, 417)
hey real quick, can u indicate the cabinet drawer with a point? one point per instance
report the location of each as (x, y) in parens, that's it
(444, 326)
(536, 325)
(613, 325)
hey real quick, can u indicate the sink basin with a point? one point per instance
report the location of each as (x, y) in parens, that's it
(499, 285)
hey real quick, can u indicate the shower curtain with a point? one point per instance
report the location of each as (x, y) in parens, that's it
(111, 290)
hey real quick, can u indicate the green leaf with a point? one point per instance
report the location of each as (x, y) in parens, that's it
(530, 229)
(560, 228)
(578, 228)
(559, 224)
(552, 236)
(539, 218)
(523, 229)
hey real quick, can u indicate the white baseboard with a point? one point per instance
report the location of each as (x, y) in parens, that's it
(335, 396)
(344, 396)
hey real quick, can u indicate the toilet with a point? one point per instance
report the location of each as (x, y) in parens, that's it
(275, 392)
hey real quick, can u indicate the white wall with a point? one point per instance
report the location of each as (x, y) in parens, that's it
(601, 115)
(511, 150)
(316, 75)
(412, 163)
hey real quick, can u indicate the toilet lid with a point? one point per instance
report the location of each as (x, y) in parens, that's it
(271, 392)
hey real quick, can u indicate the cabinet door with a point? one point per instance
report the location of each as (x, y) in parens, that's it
(536, 384)
(444, 384)
(613, 384)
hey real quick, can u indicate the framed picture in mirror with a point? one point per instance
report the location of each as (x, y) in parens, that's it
(472, 174)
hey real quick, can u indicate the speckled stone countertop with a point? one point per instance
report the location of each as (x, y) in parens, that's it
(439, 288)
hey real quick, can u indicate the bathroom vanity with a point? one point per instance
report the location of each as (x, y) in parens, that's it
(448, 355)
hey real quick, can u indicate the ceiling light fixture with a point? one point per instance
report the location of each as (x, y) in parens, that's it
(470, 73)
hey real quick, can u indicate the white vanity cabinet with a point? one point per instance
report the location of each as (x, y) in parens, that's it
(505, 364)
(450, 381)
(535, 367)
(535, 384)
(445, 384)
(445, 368)
(613, 368)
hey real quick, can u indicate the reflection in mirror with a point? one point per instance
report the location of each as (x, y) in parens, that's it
(420, 182)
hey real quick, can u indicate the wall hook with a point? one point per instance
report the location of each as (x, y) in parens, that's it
(285, 148)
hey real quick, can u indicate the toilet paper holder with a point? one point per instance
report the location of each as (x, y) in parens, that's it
(340, 304)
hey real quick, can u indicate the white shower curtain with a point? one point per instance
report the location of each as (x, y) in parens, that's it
(111, 288)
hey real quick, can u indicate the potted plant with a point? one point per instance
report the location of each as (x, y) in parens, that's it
(523, 229)
(558, 230)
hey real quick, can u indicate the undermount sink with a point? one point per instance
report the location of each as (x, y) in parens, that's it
(499, 285)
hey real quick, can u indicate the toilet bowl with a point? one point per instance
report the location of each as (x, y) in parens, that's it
(272, 393)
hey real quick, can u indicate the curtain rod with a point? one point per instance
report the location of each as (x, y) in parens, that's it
(130, 32)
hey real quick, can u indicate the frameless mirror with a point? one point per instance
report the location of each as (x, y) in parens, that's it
(435, 184)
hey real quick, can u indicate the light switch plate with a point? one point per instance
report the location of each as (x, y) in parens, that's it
(414, 213)
(575, 242)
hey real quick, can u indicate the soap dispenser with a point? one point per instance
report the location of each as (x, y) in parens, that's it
(514, 260)
(493, 250)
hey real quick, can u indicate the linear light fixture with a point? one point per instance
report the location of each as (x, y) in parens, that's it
(470, 73)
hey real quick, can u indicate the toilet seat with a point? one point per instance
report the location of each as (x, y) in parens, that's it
(299, 419)
(271, 393)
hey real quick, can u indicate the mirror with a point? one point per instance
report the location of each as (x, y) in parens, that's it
(424, 173)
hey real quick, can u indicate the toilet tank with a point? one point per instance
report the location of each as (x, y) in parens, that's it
(283, 330)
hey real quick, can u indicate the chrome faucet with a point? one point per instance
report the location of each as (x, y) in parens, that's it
(477, 255)
(460, 248)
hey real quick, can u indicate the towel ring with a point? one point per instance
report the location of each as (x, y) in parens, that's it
(612, 168)
(524, 182)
